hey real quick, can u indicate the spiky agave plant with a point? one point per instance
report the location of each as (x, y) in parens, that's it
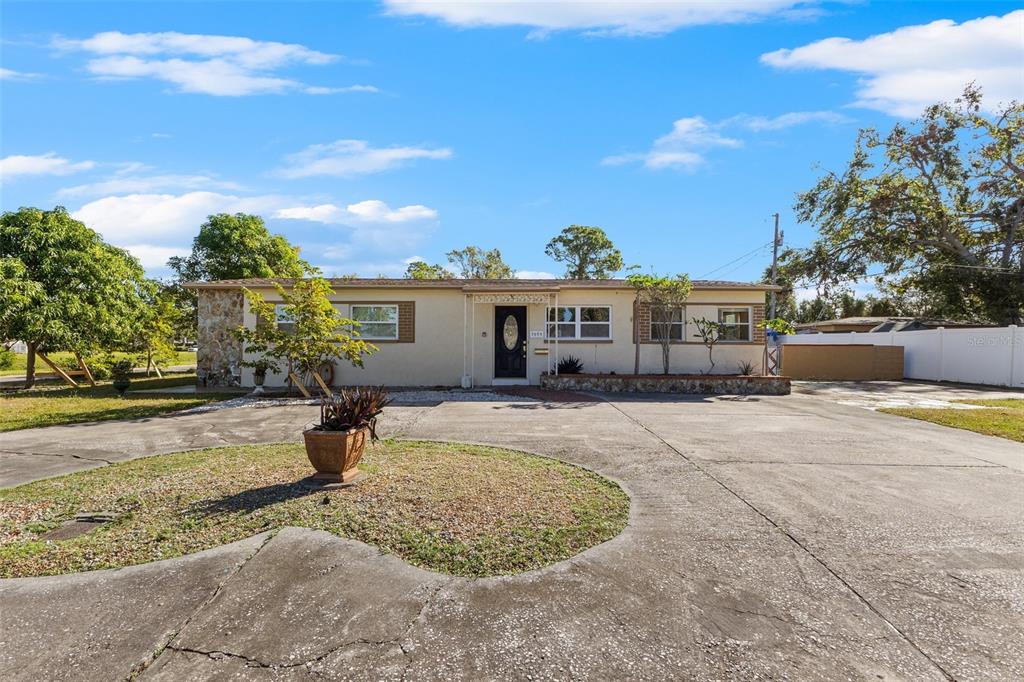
(353, 409)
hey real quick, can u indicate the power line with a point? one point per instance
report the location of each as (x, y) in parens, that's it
(749, 253)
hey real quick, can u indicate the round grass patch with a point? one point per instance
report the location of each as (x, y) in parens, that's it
(458, 509)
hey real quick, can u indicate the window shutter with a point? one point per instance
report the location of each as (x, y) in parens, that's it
(407, 322)
(757, 320)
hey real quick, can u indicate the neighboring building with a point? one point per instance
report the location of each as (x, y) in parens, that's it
(878, 324)
(491, 332)
(844, 325)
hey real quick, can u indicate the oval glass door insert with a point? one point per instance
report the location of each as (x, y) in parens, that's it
(510, 332)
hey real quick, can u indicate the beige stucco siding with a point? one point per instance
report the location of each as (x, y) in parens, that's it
(455, 336)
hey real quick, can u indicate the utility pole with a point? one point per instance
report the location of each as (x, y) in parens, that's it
(775, 263)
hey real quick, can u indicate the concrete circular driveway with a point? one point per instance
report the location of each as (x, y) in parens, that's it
(769, 538)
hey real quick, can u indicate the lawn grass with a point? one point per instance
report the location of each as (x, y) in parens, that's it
(64, 359)
(1003, 418)
(53, 405)
(458, 509)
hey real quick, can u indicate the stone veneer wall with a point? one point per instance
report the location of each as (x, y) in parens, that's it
(707, 384)
(220, 353)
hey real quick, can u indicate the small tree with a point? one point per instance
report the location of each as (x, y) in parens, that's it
(157, 328)
(587, 252)
(665, 296)
(317, 332)
(420, 270)
(473, 262)
(710, 333)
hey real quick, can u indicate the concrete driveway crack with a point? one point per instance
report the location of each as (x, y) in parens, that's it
(141, 667)
(56, 454)
(871, 607)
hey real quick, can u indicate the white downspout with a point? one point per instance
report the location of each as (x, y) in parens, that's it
(472, 344)
(556, 333)
(465, 343)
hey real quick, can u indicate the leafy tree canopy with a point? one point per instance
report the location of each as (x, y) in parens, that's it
(420, 270)
(938, 206)
(473, 262)
(62, 286)
(236, 247)
(587, 252)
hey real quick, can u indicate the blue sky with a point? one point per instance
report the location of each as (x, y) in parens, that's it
(373, 133)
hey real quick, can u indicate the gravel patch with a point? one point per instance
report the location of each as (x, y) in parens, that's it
(413, 397)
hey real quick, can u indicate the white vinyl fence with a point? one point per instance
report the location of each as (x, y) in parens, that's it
(987, 355)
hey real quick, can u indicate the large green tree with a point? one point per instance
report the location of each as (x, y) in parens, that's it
(473, 262)
(63, 287)
(229, 246)
(586, 251)
(937, 206)
(420, 270)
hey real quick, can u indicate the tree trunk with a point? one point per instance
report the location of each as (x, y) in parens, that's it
(30, 365)
(666, 350)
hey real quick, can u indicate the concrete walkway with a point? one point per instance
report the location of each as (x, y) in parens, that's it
(769, 538)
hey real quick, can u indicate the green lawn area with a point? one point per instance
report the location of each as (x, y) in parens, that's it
(51, 405)
(459, 509)
(66, 359)
(1003, 418)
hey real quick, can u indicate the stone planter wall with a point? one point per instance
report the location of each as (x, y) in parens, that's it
(701, 384)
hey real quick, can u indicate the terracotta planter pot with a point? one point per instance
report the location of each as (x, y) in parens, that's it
(335, 454)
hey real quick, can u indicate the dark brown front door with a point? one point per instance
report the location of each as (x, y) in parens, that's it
(510, 341)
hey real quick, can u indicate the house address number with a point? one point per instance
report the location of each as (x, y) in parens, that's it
(536, 333)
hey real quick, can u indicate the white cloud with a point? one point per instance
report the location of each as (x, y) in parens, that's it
(148, 218)
(373, 224)
(124, 184)
(534, 274)
(42, 164)
(787, 120)
(908, 69)
(680, 148)
(154, 257)
(684, 147)
(207, 64)
(369, 211)
(353, 157)
(12, 75)
(646, 17)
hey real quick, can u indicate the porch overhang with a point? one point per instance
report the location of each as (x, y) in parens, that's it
(496, 294)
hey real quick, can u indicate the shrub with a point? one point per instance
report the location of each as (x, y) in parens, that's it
(746, 368)
(122, 368)
(570, 364)
(353, 410)
(7, 357)
(101, 365)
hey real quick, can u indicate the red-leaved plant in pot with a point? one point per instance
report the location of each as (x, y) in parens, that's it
(347, 420)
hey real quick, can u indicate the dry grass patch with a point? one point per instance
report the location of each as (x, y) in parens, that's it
(1003, 418)
(458, 509)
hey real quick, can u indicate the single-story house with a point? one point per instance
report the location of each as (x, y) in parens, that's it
(491, 332)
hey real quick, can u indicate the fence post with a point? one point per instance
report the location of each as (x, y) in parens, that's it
(942, 363)
(1013, 353)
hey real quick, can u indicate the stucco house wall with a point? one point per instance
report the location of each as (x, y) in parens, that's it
(452, 335)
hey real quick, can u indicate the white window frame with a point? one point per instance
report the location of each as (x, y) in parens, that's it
(393, 306)
(550, 326)
(750, 322)
(681, 323)
(282, 318)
